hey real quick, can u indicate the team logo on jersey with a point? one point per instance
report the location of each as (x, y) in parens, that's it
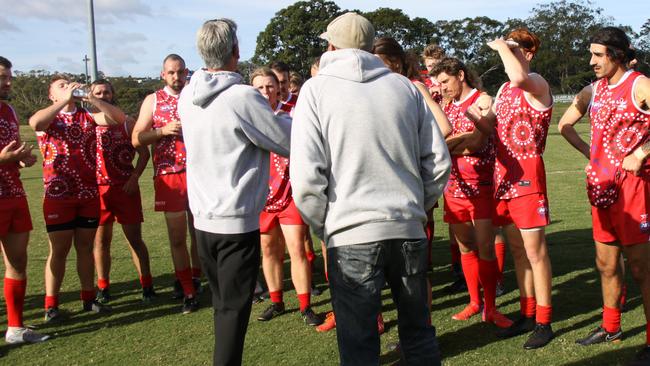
(165, 108)
(542, 210)
(644, 226)
(621, 104)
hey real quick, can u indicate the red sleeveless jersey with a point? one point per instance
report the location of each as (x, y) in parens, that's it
(69, 148)
(279, 196)
(114, 155)
(520, 142)
(169, 152)
(470, 171)
(10, 184)
(618, 127)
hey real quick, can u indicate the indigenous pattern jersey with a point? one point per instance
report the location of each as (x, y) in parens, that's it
(279, 196)
(10, 184)
(470, 171)
(520, 142)
(169, 152)
(618, 127)
(114, 155)
(69, 148)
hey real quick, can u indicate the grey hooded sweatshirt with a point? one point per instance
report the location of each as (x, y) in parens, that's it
(229, 130)
(367, 157)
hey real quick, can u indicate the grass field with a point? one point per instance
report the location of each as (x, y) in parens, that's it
(159, 335)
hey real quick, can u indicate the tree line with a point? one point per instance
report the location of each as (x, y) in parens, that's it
(292, 36)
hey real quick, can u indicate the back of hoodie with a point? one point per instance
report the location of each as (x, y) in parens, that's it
(229, 130)
(367, 158)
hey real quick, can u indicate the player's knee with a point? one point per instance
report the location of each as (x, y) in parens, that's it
(639, 270)
(607, 268)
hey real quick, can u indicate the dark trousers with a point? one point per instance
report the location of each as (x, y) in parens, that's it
(357, 274)
(231, 263)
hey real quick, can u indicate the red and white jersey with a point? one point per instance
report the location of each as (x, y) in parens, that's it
(114, 155)
(618, 127)
(169, 152)
(10, 184)
(69, 148)
(520, 142)
(431, 82)
(279, 196)
(292, 99)
(470, 171)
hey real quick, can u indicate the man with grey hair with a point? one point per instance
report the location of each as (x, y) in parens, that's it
(363, 174)
(229, 130)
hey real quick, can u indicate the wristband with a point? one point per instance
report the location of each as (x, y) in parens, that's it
(639, 154)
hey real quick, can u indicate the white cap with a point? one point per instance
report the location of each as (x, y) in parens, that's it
(350, 30)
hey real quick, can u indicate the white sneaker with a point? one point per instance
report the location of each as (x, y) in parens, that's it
(24, 335)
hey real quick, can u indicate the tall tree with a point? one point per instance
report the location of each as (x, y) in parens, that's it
(292, 35)
(564, 28)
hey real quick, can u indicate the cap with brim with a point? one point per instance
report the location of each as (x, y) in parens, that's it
(350, 30)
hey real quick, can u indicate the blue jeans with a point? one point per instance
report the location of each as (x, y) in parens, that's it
(357, 274)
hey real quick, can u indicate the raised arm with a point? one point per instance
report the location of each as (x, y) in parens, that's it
(438, 114)
(518, 74)
(634, 161)
(571, 116)
(41, 120)
(108, 114)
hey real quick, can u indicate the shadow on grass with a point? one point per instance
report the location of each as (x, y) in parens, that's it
(611, 358)
(126, 308)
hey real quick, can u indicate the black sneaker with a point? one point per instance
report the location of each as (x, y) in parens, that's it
(315, 290)
(520, 326)
(600, 335)
(457, 286)
(190, 305)
(148, 295)
(501, 289)
(275, 309)
(642, 358)
(95, 306)
(178, 293)
(52, 315)
(198, 288)
(541, 335)
(311, 318)
(103, 296)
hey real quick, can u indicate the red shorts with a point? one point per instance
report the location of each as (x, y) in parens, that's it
(115, 203)
(288, 216)
(626, 220)
(459, 210)
(68, 210)
(526, 212)
(14, 216)
(171, 193)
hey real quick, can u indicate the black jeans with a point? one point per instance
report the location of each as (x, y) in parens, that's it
(231, 263)
(357, 274)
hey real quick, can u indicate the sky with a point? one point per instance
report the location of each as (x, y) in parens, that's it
(133, 36)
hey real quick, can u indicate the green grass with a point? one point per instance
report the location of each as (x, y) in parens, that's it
(159, 335)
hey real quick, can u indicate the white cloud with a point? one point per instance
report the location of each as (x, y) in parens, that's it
(106, 11)
(7, 26)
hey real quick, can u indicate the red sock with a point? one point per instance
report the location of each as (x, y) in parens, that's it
(103, 283)
(544, 314)
(304, 300)
(51, 301)
(623, 296)
(500, 251)
(455, 252)
(15, 297)
(470, 270)
(196, 272)
(311, 257)
(647, 334)
(185, 278)
(487, 271)
(276, 296)
(87, 295)
(527, 306)
(327, 279)
(611, 319)
(146, 281)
